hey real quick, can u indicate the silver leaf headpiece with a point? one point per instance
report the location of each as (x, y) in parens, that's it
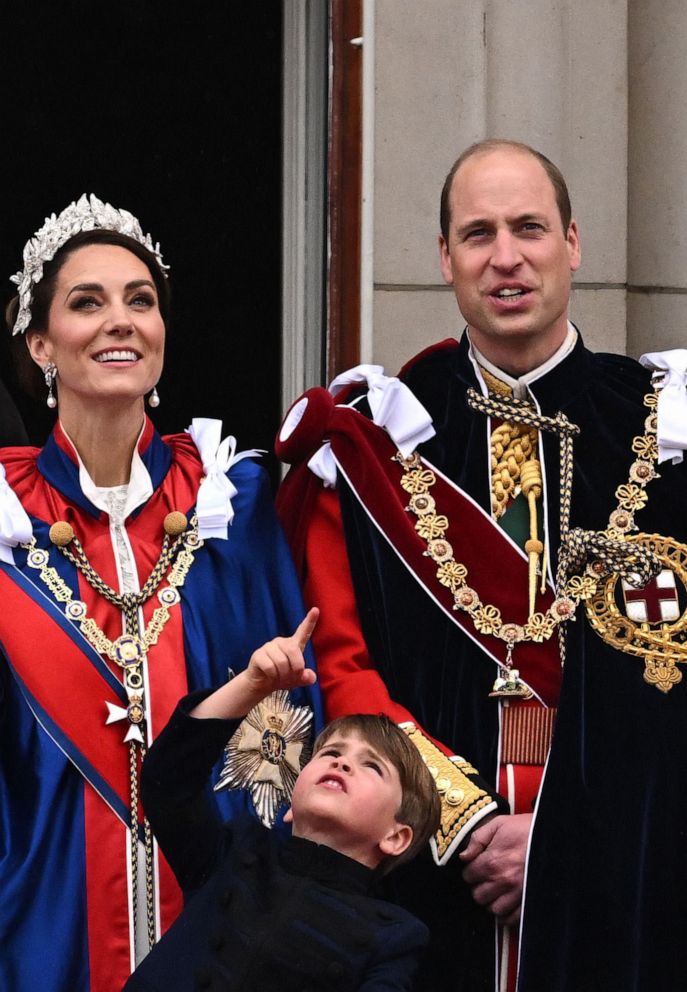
(88, 213)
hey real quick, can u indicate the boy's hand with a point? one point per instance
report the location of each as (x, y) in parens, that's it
(279, 664)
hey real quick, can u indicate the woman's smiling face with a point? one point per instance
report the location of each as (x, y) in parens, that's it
(105, 332)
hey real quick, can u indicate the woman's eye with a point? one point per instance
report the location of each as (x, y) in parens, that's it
(143, 300)
(375, 767)
(330, 752)
(84, 303)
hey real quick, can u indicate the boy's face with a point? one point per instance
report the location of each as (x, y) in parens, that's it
(347, 797)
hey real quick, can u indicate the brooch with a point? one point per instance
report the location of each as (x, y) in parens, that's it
(267, 752)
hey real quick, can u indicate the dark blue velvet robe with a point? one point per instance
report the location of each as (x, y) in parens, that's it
(608, 832)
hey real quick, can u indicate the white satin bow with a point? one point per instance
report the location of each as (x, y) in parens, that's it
(392, 405)
(15, 526)
(671, 428)
(213, 504)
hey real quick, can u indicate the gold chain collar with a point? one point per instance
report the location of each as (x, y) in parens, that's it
(129, 649)
(431, 526)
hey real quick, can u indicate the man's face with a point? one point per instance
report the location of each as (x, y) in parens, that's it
(508, 259)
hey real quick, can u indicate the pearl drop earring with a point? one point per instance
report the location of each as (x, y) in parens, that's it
(50, 374)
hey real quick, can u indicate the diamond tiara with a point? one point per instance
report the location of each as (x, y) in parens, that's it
(88, 213)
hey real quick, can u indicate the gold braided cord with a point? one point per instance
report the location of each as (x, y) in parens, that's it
(515, 468)
(123, 600)
(512, 445)
(150, 885)
(520, 411)
(133, 829)
(183, 548)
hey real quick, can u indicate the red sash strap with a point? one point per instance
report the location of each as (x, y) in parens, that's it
(497, 570)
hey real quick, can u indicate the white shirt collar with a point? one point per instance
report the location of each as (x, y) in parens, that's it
(520, 386)
(138, 489)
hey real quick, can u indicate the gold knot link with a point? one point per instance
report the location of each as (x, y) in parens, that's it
(634, 562)
(175, 523)
(61, 533)
(530, 477)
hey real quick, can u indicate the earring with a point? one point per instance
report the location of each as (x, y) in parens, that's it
(154, 399)
(50, 374)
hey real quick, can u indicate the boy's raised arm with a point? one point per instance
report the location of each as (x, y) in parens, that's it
(278, 664)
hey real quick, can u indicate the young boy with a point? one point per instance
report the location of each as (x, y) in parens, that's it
(267, 913)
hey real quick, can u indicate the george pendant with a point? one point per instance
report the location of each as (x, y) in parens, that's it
(510, 686)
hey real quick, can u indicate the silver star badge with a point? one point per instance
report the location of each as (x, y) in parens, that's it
(267, 752)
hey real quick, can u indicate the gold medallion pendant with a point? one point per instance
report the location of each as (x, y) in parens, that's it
(651, 622)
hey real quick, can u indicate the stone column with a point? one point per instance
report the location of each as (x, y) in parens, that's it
(657, 230)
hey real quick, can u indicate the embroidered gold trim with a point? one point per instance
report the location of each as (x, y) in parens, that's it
(460, 798)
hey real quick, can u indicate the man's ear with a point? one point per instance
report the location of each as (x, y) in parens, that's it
(574, 250)
(288, 816)
(445, 261)
(397, 841)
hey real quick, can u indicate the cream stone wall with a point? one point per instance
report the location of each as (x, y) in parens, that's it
(657, 230)
(597, 85)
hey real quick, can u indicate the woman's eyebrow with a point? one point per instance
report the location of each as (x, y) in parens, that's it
(96, 287)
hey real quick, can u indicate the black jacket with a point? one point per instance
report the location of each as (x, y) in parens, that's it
(263, 913)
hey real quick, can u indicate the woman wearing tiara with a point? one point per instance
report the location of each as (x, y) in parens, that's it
(132, 569)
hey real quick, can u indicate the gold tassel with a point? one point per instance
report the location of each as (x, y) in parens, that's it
(531, 486)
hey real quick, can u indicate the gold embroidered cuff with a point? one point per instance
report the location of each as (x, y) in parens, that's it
(463, 802)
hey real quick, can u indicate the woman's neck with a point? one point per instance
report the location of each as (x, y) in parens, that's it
(105, 438)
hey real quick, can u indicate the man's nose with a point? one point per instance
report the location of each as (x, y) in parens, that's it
(506, 254)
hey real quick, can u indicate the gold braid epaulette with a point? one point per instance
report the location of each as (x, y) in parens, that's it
(461, 798)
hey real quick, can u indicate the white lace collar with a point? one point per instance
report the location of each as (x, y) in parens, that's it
(119, 500)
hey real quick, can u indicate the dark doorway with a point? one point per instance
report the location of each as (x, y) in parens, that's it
(174, 112)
